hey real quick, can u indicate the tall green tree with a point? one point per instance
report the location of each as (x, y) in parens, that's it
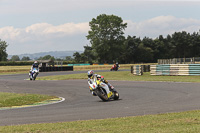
(145, 54)
(77, 57)
(194, 46)
(130, 50)
(106, 36)
(181, 41)
(3, 54)
(89, 53)
(15, 58)
(68, 58)
(25, 58)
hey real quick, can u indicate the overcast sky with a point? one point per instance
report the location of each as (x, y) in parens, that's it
(31, 26)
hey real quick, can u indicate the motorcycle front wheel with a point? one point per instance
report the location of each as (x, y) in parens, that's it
(34, 76)
(102, 94)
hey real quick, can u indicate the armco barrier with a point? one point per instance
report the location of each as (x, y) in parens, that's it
(49, 69)
(78, 64)
(175, 69)
(102, 64)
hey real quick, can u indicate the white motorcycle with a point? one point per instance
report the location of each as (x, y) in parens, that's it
(102, 90)
(33, 73)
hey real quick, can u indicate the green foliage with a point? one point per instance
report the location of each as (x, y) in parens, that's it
(129, 51)
(25, 58)
(47, 57)
(15, 58)
(126, 75)
(184, 122)
(108, 44)
(12, 99)
(68, 58)
(106, 36)
(3, 54)
(15, 63)
(77, 57)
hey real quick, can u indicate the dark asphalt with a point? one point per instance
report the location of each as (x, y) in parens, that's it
(136, 98)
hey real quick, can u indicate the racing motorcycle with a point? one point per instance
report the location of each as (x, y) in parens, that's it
(33, 73)
(115, 67)
(102, 90)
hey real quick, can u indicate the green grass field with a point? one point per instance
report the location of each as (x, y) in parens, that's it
(13, 99)
(4, 70)
(183, 122)
(126, 75)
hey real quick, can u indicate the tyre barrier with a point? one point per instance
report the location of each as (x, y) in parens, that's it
(49, 69)
(139, 69)
(136, 70)
(175, 69)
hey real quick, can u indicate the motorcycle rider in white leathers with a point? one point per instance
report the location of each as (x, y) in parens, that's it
(92, 75)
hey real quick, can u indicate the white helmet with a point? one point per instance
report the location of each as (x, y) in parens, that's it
(90, 73)
(35, 62)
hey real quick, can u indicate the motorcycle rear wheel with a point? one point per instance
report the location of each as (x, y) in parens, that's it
(116, 95)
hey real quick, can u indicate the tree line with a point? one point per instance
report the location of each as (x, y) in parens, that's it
(108, 44)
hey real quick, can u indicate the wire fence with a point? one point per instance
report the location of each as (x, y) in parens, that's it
(193, 60)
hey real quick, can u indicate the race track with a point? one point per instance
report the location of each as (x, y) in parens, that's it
(136, 98)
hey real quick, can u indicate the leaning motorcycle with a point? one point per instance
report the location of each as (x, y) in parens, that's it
(102, 90)
(115, 67)
(33, 73)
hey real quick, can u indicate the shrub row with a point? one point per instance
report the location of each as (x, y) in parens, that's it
(24, 63)
(15, 63)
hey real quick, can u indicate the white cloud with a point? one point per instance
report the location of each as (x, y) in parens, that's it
(45, 37)
(162, 25)
(41, 30)
(72, 36)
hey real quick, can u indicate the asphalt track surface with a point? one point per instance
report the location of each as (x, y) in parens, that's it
(136, 98)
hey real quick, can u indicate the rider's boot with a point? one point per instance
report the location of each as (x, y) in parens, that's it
(93, 93)
(110, 86)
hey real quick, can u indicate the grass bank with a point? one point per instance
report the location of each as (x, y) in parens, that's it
(25, 69)
(13, 99)
(126, 75)
(14, 69)
(185, 122)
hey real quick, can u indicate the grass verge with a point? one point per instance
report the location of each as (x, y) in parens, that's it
(126, 75)
(13, 99)
(14, 69)
(185, 122)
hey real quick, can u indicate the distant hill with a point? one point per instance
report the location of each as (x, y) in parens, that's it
(56, 54)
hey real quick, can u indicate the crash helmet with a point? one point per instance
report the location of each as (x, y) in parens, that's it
(90, 73)
(99, 77)
(35, 62)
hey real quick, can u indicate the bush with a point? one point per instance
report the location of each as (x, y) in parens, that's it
(15, 63)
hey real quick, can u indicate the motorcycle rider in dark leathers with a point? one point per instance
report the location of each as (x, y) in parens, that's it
(35, 65)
